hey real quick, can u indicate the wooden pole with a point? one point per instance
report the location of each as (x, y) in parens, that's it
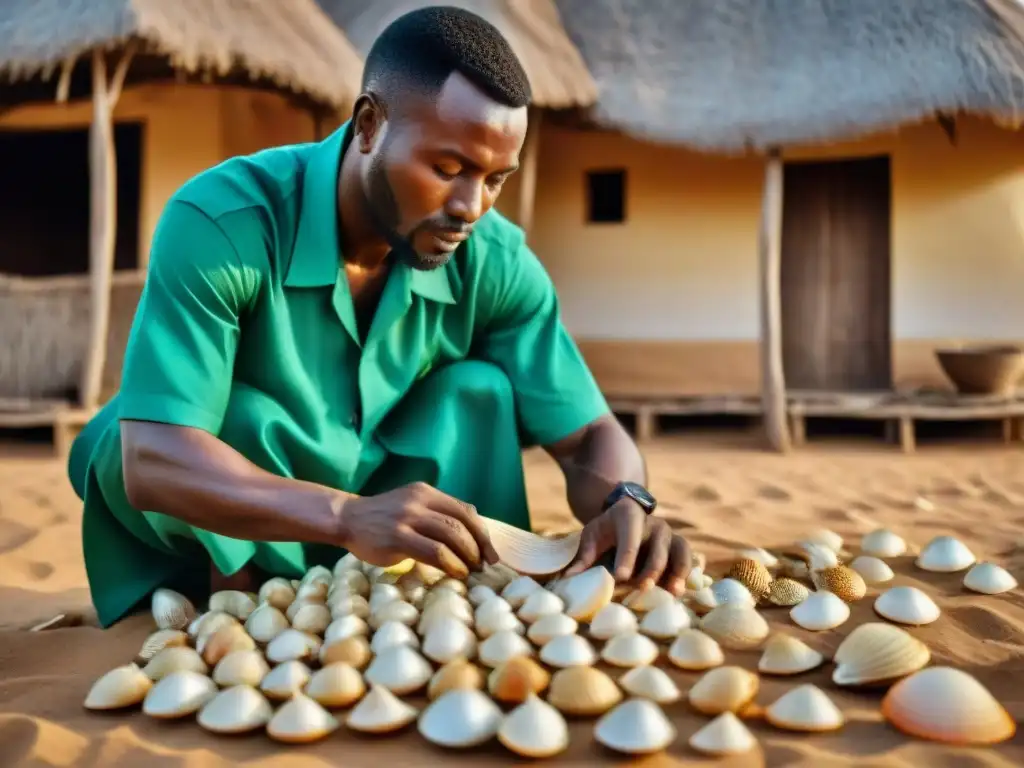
(528, 173)
(102, 220)
(773, 381)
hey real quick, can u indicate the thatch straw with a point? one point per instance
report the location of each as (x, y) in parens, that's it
(558, 76)
(722, 75)
(290, 43)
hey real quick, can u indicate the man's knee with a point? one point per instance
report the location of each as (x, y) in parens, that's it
(477, 379)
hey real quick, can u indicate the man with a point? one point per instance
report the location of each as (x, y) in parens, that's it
(340, 346)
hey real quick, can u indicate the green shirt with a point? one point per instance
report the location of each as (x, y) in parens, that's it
(246, 326)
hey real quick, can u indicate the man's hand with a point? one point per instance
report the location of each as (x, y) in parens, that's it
(629, 529)
(420, 522)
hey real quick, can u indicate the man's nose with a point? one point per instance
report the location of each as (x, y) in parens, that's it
(467, 202)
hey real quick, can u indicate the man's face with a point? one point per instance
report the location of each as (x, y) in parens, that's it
(436, 166)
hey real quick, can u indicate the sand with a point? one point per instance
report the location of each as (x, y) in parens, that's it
(721, 493)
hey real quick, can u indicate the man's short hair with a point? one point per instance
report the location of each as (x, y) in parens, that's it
(420, 50)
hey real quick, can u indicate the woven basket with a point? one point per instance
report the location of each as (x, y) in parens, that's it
(983, 370)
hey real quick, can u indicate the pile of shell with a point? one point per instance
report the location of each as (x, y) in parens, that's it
(502, 656)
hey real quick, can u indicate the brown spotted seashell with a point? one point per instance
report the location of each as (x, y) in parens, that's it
(842, 581)
(787, 592)
(752, 574)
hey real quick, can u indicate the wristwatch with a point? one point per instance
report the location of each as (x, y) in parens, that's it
(634, 491)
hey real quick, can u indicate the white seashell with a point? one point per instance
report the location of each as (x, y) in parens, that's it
(666, 621)
(157, 641)
(630, 649)
(459, 718)
(490, 609)
(876, 654)
(820, 555)
(123, 686)
(238, 709)
(400, 669)
(723, 689)
(278, 592)
(428, 574)
(381, 595)
(380, 711)
(762, 556)
(285, 680)
(175, 659)
(348, 625)
(293, 645)
(736, 626)
(551, 626)
(872, 569)
(502, 646)
(347, 562)
(704, 600)
(317, 573)
(945, 554)
(947, 705)
(394, 610)
(209, 623)
(644, 600)
(587, 593)
(336, 685)
(728, 591)
(445, 610)
(393, 633)
(312, 592)
(480, 594)
(240, 668)
(265, 623)
(652, 683)
(786, 655)
(346, 604)
(540, 603)
(695, 579)
(989, 579)
(613, 619)
(635, 727)
(696, 651)
(568, 651)
(179, 694)
(171, 610)
(725, 735)
(907, 605)
(352, 581)
(448, 639)
(233, 602)
(452, 585)
(499, 622)
(301, 721)
(820, 611)
(534, 729)
(517, 590)
(805, 708)
(826, 538)
(883, 543)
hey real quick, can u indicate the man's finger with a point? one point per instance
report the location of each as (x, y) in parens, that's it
(679, 566)
(469, 517)
(435, 553)
(451, 532)
(630, 525)
(658, 545)
(585, 555)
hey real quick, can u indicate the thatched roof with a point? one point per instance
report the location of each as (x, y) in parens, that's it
(290, 44)
(721, 75)
(558, 76)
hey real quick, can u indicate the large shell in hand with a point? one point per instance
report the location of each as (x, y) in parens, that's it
(400, 669)
(989, 579)
(820, 611)
(459, 718)
(724, 689)
(179, 694)
(695, 651)
(805, 708)
(587, 593)
(172, 610)
(528, 553)
(786, 655)
(583, 691)
(736, 626)
(123, 686)
(907, 605)
(725, 735)
(945, 554)
(380, 711)
(534, 729)
(635, 727)
(301, 721)
(238, 709)
(876, 654)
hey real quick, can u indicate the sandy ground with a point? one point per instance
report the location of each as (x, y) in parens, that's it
(720, 493)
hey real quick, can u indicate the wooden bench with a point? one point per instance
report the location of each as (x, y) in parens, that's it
(64, 418)
(647, 410)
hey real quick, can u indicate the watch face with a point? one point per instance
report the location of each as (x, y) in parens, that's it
(640, 493)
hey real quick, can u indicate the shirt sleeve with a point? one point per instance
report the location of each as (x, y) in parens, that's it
(555, 392)
(180, 353)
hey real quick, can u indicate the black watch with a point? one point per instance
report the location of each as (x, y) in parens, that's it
(634, 491)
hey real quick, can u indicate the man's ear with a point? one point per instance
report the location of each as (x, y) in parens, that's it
(368, 119)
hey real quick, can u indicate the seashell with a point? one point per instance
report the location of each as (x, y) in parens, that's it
(350, 650)
(703, 600)
(428, 574)
(820, 611)
(793, 567)
(989, 579)
(587, 593)
(762, 556)
(446, 610)
(293, 645)
(380, 711)
(882, 542)
(613, 619)
(517, 590)
(666, 621)
(724, 689)
(872, 570)
(526, 552)
(568, 651)
(382, 594)
(480, 594)
(695, 579)
(583, 691)
(805, 708)
(317, 573)
(171, 610)
(285, 680)
(650, 683)
(947, 705)
(876, 654)
(736, 626)
(842, 581)
(179, 694)
(819, 556)
(454, 585)
(534, 729)
(347, 562)
(495, 576)
(945, 554)
(630, 649)
(175, 659)
(730, 591)
(238, 709)
(162, 638)
(312, 592)
(725, 735)
(345, 604)
(540, 603)
(354, 582)
(551, 626)
(233, 602)
(492, 608)
(400, 669)
(348, 625)
(786, 655)
(752, 574)
(787, 592)
(265, 623)
(448, 639)
(457, 673)
(644, 600)
(446, 597)
(459, 718)
(907, 605)
(336, 685)
(121, 687)
(301, 721)
(499, 622)
(210, 622)
(240, 668)
(395, 610)
(825, 538)
(517, 678)
(693, 650)
(393, 633)
(502, 646)
(312, 618)
(216, 646)
(635, 727)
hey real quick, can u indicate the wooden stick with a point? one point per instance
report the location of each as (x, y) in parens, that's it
(528, 173)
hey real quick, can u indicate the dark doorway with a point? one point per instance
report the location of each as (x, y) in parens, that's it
(836, 275)
(44, 200)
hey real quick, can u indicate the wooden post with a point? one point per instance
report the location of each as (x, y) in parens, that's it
(102, 219)
(773, 383)
(528, 173)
